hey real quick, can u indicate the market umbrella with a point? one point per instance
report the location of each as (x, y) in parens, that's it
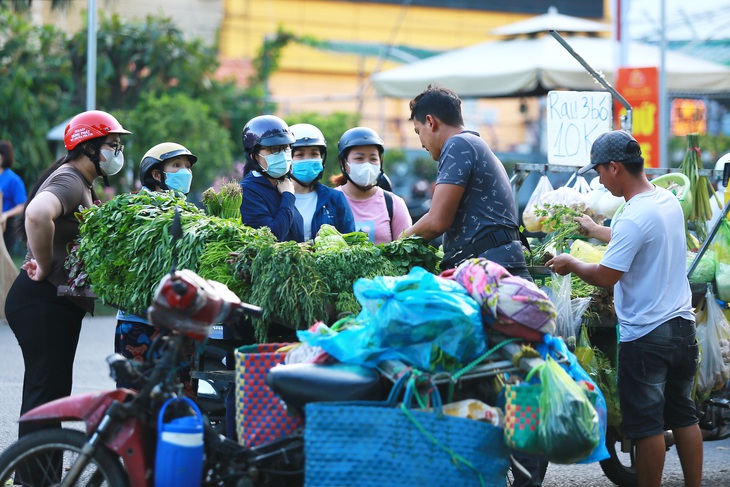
(534, 66)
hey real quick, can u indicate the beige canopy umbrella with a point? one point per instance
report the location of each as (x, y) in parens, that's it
(538, 63)
(534, 66)
(552, 20)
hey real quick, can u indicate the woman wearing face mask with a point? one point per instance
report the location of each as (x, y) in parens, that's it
(379, 213)
(316, 204)
(268, 192)
(167, 166)
(46, 325)
(164, 167)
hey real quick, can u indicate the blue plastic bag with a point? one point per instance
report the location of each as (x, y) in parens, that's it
(409, 318)
(555, 348)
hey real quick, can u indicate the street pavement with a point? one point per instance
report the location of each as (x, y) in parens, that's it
(91, 374)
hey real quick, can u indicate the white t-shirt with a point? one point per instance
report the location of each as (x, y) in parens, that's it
(649, 245)
(306, 205)
(371, 216)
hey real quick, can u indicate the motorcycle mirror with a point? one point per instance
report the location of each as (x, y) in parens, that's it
(176, 231)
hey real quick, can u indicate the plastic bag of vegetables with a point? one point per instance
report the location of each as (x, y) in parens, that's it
(721, 246)
(713, 333)
(531, 221)
(705, 269)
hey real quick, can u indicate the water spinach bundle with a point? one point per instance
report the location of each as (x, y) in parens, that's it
(126, 246)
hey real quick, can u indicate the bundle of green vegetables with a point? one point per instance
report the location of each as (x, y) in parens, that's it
(299, 284)
(227, 203)
(126, 247)
(700, 188)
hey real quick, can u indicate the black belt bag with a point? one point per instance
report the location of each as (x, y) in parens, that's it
(480, 244)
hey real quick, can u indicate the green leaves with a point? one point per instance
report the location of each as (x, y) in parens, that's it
(126, 246)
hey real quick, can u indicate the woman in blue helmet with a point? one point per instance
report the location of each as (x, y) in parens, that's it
(316, 204)
(268, 192)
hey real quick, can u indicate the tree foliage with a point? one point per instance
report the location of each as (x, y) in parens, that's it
(182, 119)
(35, 89)
(159, 84)
(137, 57)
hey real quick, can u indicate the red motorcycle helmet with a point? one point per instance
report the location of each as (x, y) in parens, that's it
(91, 125)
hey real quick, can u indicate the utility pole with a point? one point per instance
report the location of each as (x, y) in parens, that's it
(91, 57)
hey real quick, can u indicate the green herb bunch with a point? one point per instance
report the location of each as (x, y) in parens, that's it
(126, 247)
(285, 284)
(409, 252)
(560, 219)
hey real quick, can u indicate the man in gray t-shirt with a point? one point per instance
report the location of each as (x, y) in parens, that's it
(472, 206)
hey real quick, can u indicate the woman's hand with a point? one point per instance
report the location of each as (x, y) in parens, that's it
(285, 185)
(35, 272)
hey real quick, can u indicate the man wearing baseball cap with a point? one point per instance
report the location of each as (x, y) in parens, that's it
(645, 262)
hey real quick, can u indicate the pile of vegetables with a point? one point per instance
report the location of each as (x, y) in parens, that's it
(299, 284)
(125, 245)
(125, 248)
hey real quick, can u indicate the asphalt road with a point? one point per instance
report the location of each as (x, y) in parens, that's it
(91, 373)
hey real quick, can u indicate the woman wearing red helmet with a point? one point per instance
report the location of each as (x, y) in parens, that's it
(46, 325)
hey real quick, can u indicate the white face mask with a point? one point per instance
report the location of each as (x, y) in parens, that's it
(364, 174)
(113, 163)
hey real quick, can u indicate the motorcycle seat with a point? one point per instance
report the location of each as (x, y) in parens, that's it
(300, 384)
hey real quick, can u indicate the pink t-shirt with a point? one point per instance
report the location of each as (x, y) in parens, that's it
(371, 216)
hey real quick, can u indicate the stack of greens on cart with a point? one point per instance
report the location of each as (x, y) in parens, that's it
(125, 248)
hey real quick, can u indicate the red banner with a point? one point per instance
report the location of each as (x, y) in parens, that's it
(640, 87)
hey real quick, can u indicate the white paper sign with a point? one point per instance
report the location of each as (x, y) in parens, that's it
(574, 120)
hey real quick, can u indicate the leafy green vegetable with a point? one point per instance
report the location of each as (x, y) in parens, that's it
(126, 246)
(409, 252)
(286, 285)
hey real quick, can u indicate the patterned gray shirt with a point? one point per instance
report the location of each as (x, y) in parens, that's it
(466, 160)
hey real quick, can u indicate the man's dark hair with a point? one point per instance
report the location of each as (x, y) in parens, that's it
(441, 103)
(6, 150)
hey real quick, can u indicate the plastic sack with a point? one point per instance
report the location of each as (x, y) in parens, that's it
(532, 222)
(569, 427)
(555, 347)
(721, 246)
(713, 334)
(560, 197)
(581, 185)
(586, 252)
(705, 269)
(561, 286)
(413, 318)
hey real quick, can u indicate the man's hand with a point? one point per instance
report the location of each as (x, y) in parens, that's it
(591, 229)
(561, 264)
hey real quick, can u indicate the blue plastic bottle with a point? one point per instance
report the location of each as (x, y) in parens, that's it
(179, 459)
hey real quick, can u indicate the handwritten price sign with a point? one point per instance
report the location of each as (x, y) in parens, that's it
(574, 120)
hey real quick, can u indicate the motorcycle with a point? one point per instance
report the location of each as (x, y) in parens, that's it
(118, 444)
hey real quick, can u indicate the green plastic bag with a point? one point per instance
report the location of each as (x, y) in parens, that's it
(721, 246)
(569, 428)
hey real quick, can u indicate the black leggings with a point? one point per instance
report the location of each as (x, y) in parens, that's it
(47, 327)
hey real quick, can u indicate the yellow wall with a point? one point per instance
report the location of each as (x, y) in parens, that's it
(314, 80)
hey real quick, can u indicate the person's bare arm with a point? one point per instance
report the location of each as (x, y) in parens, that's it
(594, 274)
(591, 229)
(40, 228)
(444, 203)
